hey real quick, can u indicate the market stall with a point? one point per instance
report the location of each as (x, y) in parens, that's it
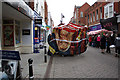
(68, 39)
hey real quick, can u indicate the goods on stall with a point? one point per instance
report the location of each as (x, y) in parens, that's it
(68, 40)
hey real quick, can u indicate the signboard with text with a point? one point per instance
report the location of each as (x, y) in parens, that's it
(9, 65)
(109, 24)
(11, 55)
(38, 21)
(26, 32)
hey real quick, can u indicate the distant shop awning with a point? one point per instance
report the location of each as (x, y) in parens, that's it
(109, 24)
(98, 31)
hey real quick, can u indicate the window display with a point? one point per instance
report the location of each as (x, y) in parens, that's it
(8, 35)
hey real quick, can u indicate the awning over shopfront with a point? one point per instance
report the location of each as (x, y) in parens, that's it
(21, 6)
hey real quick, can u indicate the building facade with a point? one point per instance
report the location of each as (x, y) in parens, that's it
(79, 14)
(17, 29)
(93, 15)
(100, 10)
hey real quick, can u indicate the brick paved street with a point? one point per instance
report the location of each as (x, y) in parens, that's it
(91, 64)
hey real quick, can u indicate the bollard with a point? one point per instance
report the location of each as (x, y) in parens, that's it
(45, 54)
(30, 69)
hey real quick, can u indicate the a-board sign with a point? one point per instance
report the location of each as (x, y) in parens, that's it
(11, 55)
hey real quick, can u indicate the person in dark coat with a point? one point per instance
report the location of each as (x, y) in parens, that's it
(117, 46)
(103, 43)
(108, 40)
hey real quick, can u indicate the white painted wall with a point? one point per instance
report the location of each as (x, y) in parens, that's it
(27, 40)
(0, 24)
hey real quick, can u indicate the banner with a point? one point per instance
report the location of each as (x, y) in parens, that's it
(109, 24)
(67, 40)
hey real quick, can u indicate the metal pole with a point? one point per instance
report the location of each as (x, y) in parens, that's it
(30, 69)
(45, 54)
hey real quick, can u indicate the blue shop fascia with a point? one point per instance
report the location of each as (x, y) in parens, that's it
(37, 24)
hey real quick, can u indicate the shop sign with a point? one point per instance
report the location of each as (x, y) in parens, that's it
(109, 24)
(38, 21)
(26, 32)
(10, 55)
(9, 65)
(96, 27)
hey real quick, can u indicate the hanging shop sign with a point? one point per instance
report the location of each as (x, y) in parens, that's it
(109, 24)
(26, 32)
(38, 21)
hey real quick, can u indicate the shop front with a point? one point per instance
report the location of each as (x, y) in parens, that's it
(16, 28)
(36, 32)
(109, 24)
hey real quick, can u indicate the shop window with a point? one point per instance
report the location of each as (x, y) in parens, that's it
(8, 35)
(8, 32)
(17, 34)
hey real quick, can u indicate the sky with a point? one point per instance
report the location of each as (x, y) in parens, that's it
(66, 7)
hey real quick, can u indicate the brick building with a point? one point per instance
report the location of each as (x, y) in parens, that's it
(46, 12)
(79, 14)
(93, 15)
(100, 10)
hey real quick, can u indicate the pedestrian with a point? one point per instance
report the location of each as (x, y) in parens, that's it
(95, 41)
(108, 41)
(117, 46)
(98, 41)
(90, 40)
(103, 43)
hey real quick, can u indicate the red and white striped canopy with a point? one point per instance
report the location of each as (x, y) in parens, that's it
(71, 27)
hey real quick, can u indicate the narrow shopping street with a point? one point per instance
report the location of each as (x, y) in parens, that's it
(91, 64)
(59, 39)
